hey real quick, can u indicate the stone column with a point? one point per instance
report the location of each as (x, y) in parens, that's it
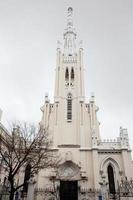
(95, 168)
(31, 188)
(127, 163)
(104, 189)
(95, 158)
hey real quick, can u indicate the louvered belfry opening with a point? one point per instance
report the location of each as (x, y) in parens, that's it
(72, 74)
(67, 74)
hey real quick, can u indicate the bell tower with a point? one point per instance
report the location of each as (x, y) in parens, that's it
(69, 82)
(71, 121)
(87, 162)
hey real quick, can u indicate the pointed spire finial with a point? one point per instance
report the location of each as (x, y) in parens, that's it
(58, 44)
(69, 17)
(81, 44)
(70, 35)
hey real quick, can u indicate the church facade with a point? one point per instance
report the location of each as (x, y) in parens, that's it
(87, 162)
(90, 168)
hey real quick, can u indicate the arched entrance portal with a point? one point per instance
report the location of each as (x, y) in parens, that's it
(69, 174)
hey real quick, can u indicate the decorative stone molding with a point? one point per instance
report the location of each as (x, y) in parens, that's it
(68, 156)
(109, 160)
(83, 174)
(88, 193)
(69, 171)
(69, 146)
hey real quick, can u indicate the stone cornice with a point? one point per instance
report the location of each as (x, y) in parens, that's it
(69, 146)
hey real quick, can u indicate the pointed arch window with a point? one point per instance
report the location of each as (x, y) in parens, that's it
(72, 74)
(27, 177)
(111, 179)
(69, 107)
(67, 74)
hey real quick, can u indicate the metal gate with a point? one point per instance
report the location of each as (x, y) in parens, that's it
(124, 192)
(54, 194)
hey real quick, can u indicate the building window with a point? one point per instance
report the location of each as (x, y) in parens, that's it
(72, 74)
(69, 107)
(67, 74)
(111, 179)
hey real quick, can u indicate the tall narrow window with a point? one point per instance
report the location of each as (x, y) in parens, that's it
(69, 107)
(67, 74)
(26, 178)
(72, 74)
(111, 179)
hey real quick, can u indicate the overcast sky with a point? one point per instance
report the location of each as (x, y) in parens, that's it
(29, 30)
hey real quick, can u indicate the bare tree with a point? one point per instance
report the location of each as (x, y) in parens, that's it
(23, 146)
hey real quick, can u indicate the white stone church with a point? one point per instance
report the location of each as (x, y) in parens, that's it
(90, 168)
(88, 162)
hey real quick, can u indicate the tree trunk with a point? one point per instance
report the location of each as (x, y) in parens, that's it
(12, 191)
(11, 195)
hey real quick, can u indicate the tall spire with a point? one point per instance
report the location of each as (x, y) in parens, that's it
(69, 35)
